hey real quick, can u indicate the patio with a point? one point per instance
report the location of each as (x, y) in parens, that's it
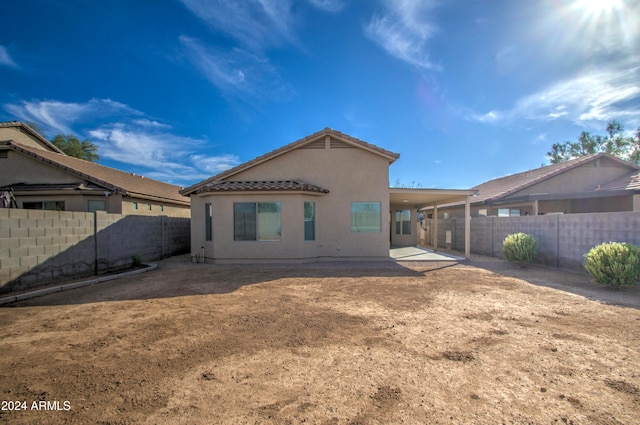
(414, 253)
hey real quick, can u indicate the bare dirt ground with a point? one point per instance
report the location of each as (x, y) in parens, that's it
(341, 343)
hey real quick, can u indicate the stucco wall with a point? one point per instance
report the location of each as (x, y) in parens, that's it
(350, 174)
(15, 134)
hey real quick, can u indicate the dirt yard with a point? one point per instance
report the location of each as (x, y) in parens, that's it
(341, 343)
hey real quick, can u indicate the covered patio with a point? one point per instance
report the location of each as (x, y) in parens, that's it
(404, 207)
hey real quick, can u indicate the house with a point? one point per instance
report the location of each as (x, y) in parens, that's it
(34, 174)
(325, 196)
(594, 183)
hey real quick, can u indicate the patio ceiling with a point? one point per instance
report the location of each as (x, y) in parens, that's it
(420, 198)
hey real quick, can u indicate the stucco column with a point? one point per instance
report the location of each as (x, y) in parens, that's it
(535, 207)
(435, 227)
(467, 228)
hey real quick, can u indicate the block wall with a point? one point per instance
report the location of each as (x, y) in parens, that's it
(39, 247)
(563, 239)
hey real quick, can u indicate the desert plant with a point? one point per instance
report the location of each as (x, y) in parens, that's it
(614, 263)
(137, 260)
(519, 247)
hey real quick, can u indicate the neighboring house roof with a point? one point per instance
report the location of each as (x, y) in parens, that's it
(504, 186)
(32, 133)
(496, 190)
(340, 140)
(260, 186)
(629, 182)
(127, 184)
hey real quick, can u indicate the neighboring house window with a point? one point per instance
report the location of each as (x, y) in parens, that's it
(256, 221)
(96, 206)
(309, 221)
(403, 222)
(366, 217)
(445, 215)
(149, 207)
(4, 154)
(161, 208)
(134, 205)
(44, 205)
(509, 212)
(208, 225)
(482, 212)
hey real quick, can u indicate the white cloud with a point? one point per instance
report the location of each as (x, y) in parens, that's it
(236, 72)
(214, 164)
(128, 136)
(58, 117)
(255, 23)
(594, 96)
(328, 5)
(404, 30)
(169, 157)
(6, 59)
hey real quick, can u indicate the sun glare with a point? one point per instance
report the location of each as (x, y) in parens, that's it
(598, 7)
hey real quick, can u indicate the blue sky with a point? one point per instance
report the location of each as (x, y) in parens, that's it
(465, 91)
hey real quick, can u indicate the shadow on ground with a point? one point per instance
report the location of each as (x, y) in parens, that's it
(574, 283)
(178, 276)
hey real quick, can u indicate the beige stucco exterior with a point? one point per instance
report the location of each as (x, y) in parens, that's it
(25, 136)
(330, 169)
(350, 174)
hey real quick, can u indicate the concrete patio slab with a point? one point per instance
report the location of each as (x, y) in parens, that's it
(414, 253)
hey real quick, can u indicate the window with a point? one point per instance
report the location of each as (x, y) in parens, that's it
(44, 205)
(4, 154)
(366, 217)
(96, 206)
(256, 221)
(309, 221)
(161, 208)
(134, 205)
(208, 229)
(149, 207)
(482, 212)
(508, 212)
(403, 222)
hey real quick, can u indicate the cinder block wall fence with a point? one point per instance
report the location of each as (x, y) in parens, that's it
(563, 239)
(39, 247)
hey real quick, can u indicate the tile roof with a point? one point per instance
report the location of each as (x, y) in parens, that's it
(115, 180)
(505, 186)
(629, 182)
(260, 186)
(390, 156)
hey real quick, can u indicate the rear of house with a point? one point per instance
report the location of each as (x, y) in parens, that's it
(324, 196)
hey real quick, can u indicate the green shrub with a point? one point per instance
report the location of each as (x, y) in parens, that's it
(519, 247)
(137, 260)
(614, 263)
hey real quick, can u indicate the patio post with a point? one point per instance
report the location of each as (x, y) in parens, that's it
(467, 228)
(435, 227)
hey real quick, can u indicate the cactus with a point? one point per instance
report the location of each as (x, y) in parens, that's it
(614, 263)
(519, 247)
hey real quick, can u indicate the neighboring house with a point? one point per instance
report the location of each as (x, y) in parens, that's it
(39, 176)
(594, 183)
(324, 196)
